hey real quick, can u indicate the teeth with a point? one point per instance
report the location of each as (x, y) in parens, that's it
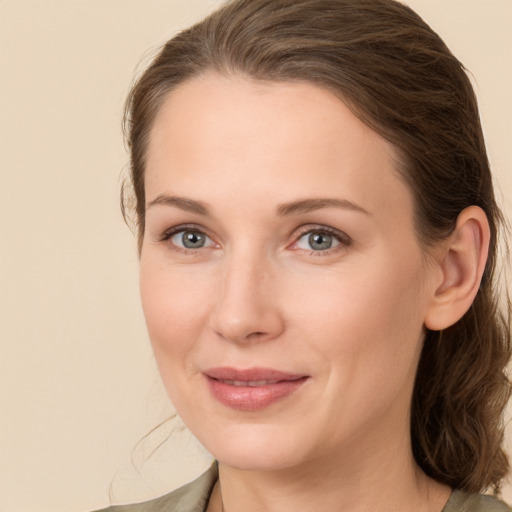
(251, 383)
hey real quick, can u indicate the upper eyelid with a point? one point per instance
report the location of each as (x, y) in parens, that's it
(304, 230)
(185, 227)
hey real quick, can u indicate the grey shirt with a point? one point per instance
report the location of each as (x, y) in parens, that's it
(194, 497)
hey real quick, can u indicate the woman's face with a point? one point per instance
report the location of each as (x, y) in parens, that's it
(282, 282)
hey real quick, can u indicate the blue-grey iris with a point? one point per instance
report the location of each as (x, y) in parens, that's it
(320, 241)
(193, 239)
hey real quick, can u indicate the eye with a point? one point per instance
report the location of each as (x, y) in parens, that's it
(317, 240)
(188, 239)
(321, 240)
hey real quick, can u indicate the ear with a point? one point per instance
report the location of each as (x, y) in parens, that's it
(461, 260)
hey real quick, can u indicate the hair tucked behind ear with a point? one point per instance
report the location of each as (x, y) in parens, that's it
(460, 394)
(397, 76)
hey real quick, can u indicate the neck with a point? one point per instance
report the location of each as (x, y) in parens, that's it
(383, 476)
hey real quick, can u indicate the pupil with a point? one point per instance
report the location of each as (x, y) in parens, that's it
(320, 241)
(193, 240)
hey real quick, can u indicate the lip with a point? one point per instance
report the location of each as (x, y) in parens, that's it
(252, 389)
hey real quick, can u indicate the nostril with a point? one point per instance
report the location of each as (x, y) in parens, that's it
(251, 336)
(256, 335)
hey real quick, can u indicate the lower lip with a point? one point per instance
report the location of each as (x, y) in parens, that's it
(249, 398)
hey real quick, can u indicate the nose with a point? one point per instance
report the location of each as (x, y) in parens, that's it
(247, 308)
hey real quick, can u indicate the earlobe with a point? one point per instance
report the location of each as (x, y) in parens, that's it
(462, 262)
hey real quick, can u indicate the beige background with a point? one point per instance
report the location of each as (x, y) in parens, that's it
(78, 385)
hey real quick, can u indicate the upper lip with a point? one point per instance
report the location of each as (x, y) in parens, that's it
(251, 374)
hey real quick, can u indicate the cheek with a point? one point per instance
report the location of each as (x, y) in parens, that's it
(175, 303)
(367, 322)
(378, 291)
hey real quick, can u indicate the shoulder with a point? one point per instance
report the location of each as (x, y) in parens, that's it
(192, 497)
(462, 502)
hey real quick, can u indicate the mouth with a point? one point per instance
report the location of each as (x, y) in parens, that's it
(250, 383)
(252, 389)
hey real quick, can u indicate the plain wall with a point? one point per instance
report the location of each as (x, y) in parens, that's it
(78, 384)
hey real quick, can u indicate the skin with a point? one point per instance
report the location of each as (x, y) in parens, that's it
(352, 318)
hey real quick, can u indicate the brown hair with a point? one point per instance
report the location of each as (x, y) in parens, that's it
(398, 77)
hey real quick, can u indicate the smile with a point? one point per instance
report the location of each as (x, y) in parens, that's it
(252, 383)
(253, 389)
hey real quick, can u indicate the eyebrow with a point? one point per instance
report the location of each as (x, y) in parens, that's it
(293, 208)
(189, 205)
(309, 205)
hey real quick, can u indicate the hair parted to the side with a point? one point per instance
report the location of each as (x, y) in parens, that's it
(398, 76)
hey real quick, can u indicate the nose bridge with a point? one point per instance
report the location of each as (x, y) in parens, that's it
(247, 306)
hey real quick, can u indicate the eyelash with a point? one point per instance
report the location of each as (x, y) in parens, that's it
(344, 241)
(168, 234)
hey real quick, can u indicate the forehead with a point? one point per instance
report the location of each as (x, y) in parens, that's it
(220, 135)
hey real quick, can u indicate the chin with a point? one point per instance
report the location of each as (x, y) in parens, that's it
(255, 448)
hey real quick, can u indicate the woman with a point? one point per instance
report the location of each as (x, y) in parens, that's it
(318, 232)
